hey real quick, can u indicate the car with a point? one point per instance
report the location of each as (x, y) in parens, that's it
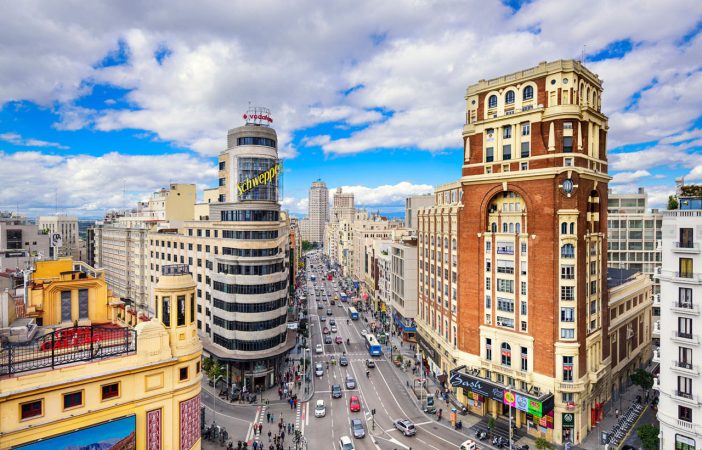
(320, 306)
(364, 332)
(468, 445)
(318, 348)
(350, 382)
(329, 312)
(357, 429)
(354, 404)
(320, 410)
(345, 443)
(332, 322)
(370, 364)
(338, 339)
(333, 328)
(319, 369)
(406, 427)
(343, 361)
(336, 391)
(322, 319)
(327, 339)
(325, 330)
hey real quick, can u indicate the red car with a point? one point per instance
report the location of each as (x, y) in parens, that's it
(338, 340)
(354, 404)
(325, 330)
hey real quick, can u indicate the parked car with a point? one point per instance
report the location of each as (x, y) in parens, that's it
(350, 382)
(343, 361)
(346, 444)
(406, 427)
(319, 348)
(357, 429)
(336, 391)
(320, 410)
(319, 369)
(354, 404)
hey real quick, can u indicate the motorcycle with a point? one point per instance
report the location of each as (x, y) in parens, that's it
(482, 436)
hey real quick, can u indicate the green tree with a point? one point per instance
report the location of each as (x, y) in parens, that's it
(216, 370)
(672, 202)
(642, 378)
(543, 444)
(206, 365)
(649, 436)
(491, 424)
(307, 246)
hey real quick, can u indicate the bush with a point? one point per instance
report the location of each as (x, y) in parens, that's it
(543, 444)
(649, 436)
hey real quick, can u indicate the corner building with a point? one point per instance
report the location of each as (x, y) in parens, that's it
(533, 251)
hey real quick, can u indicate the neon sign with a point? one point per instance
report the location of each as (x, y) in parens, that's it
(260, 179)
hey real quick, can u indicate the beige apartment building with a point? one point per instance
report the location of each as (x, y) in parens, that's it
(412, 206)
(20, 242)
(67, 228)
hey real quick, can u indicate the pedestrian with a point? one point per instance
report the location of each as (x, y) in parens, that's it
(282, 435)
(616, 413)
(269, 435)
(268, 416)
(272, 418)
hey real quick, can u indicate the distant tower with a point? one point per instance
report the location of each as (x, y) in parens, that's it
(318, 210)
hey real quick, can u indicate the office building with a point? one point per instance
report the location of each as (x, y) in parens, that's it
(83, 368)
(67, 228)
(318, 211)
(680, 354)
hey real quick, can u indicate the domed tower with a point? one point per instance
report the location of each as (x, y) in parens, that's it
(174, 299)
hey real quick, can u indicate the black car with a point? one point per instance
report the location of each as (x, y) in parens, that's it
(343, 361)
(336, 391)
(327, 339)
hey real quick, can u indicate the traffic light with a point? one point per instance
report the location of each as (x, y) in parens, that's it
(373, 411)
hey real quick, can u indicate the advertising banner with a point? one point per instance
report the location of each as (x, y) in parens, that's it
(116, 434)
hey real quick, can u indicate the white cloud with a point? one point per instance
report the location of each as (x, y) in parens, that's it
(387, 194)
(88, 185)
(629, 177)
(667, 156)
(17, 139)
(296, 205)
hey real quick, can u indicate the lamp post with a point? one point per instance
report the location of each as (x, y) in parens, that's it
(214, 399)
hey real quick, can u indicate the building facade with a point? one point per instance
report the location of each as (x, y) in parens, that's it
(112, 376)
(533, 249)
(412, 206)
(240, 259)
(67, 227)
(20, 242)
(318, 211)
(403, 287)
(680, 404)
(343, 207)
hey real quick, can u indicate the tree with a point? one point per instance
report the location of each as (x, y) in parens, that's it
(543, 444)
(206, 365)
(491, 424)
(642, 378)
(649, 436)
(672, 202)
(216, 370)
(307, 246)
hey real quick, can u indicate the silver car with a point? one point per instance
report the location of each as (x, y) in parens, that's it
(406, 427)
(357, 429)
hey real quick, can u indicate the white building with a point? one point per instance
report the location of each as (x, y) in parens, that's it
(403, 297)
(342, 206)
(67, 227)
(318, 208)
(680, 354)
(20, 241)
(412, 206)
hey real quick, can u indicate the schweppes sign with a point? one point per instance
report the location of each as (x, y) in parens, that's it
(260, 179)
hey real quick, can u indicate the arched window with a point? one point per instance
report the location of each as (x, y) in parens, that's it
(506, 353)
(453, 244)
(504, 228)
(511, 228)
(528, 93)
(572, 228)
(568, 251)
(420, 239)
(446, 243)
(492, 101)
(564, 228)
(432, 241)
(494, 227)
(518, 228)
(509, 97)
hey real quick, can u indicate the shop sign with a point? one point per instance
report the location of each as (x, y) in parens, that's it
(535, 407)
(568, 420)
(521, 403)
(478, 386)
(509, 399)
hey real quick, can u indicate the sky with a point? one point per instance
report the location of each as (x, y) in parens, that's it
(102, 103)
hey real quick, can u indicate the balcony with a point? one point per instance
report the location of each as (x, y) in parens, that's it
(657, 383)
(686, 247)
(685, 368)
(685, 397)
(685, 425)
(571, 387)
(657, 272)
(686, 338)
(657, 328)
(657, 355)
(598, 374)
(686, 308)
(687, 277)
(657, 300)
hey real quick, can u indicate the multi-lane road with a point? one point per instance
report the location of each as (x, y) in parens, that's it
(382, 390)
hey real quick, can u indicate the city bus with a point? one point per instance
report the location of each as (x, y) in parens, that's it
(344, 297)
(353, 314)
(373, 345)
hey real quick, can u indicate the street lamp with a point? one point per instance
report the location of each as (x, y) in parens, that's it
(214, 399)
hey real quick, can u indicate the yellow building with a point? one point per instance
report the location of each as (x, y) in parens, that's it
(80, 368)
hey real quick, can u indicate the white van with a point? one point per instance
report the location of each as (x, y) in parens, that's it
(468, 445)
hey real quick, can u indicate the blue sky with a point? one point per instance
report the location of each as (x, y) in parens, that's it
(98, 109)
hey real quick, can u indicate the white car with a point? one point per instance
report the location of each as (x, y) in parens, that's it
(320, 410)
(345, 443)
(364, 332)
(319, 369)
(333, 328)
(468, 445)
(319, 348)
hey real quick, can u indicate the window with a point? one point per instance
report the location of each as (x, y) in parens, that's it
(523, 166)
(567, 333)
(507, 132)
(31, 409)
(110, 391)
(166, 311)
(65, 306)
(524, 325)
(567, 368)
(525, 150)
(509, 97)
(506, 154)
(488, 349)
(505, 285)
(488, 301)
(568, 251)
(73, 400)
(181, 310)
(492, 101)
(505, 304)
(255, 141)
(685, 327)
(528, 93)
(505, 266)
(686, 238)
(684, 443)
(685, 266)
(523, 288)
(523, 308)
(525, 359)
(684, 387)
(506, 354)
(568, 162)
(183, 373)
(685, 413)
(197, 367)
(567, 314)
(487, 284)
(567, 397)
(221, 165)
(684, 298)
(567, 273)
(567, 293)
(567, 144)
(526, 129)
